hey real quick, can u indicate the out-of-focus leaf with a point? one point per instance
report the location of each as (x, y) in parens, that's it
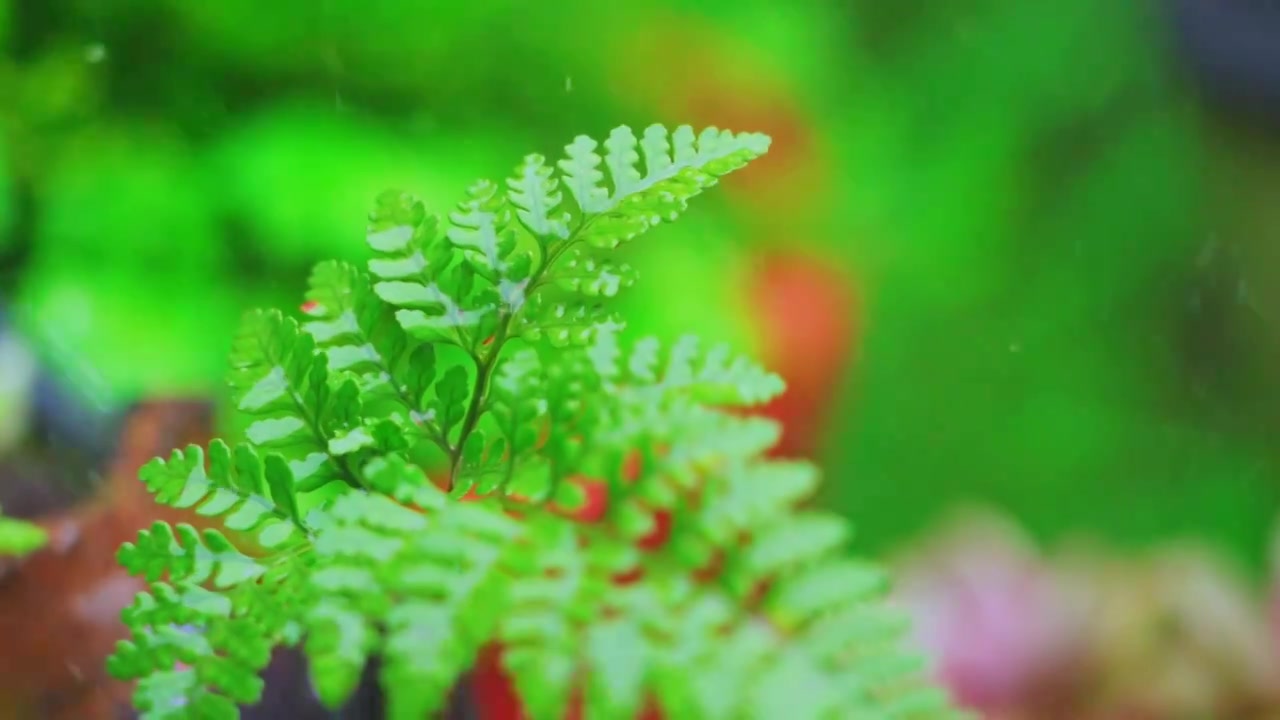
(298, 175)
(127, 198)
(121, 335)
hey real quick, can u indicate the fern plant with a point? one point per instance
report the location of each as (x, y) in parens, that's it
(419, 450)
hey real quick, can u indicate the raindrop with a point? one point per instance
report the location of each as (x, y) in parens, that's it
(95, 53)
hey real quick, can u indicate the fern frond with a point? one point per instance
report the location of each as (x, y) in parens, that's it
(676, 167)
(491, 338)
(362, 337)
(420, 271)
(781, 573)
(251, 494)
(315, 418)
(610, 206)
(432, 584)
(528, 252)
(483, 228)
(553, 620)
(199, 653)
(357, 331)
(280, 380)
(714, 376)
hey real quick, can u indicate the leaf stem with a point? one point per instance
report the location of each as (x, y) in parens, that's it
(485, 366)
(484, 373)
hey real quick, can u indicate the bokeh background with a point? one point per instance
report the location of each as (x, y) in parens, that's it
(1013, 255)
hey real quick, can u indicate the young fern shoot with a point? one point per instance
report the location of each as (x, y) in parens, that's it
(412, 477)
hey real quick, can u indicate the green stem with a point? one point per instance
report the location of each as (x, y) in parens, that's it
(484, 373)
(485, 367)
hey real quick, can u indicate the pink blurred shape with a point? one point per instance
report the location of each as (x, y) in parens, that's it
(1002, 629)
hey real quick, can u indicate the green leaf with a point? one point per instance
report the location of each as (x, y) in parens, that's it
(564, 307)
(481, 228)
(246, 496)
(452, 392)
(339, 643)
(185, 555)
(617, 658)
(421, 371)
(280, 379)
(677, 167)
(713, 377)
(356, 329)
(590, 274)
(418, 270)
(20, 538)
(515, 403)
(535, 193)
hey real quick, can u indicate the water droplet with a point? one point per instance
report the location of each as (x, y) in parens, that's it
(95, 53)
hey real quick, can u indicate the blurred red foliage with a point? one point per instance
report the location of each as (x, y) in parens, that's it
(808, 314)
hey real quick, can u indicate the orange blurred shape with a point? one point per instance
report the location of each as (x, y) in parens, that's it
(809, 317)
(60, 607)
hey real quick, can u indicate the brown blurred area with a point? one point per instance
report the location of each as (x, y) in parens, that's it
(60, 607)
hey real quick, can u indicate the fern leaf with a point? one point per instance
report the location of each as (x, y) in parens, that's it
(515, 404)
(535, 194)
(574, 275)
(361, 336)
(799, 539)
(250, 494)
(309, 416)
(195, 658)
(353, 326)
(441, 572)
(483, 229)
(431, 282)
(748, 496)
(713, 377)
(814, 592)
(279, 379)
(617, 660)
(224, 657)
(676, 168)
(187, 555)
(572, 423)
(587, 273)
(540, 636)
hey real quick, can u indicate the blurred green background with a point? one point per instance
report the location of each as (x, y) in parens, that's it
(1056, 296)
